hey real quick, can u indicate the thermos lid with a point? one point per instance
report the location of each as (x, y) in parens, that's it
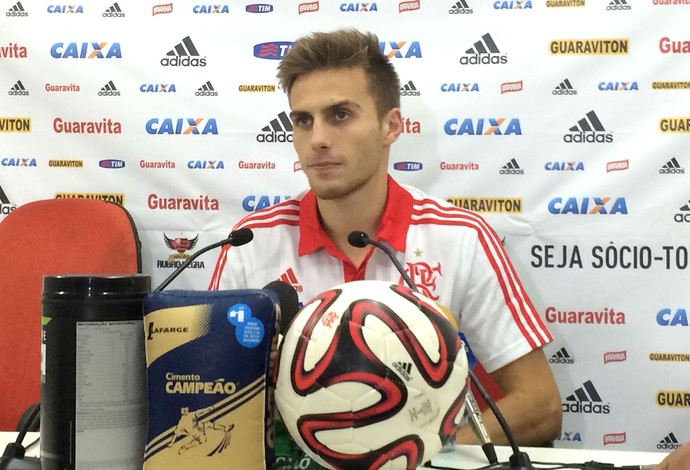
(86, 285)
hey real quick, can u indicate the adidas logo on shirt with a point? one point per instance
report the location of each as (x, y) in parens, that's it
(185, 54)
(512, 168)
(206, 90)
(460, 8)
(669, 442)
(114, 12)
(672, 167)
(586, 400)
(290, 278)
(109, 90)
(409, 89)
(484, 52)
(17, 10)
(564, 88)
(561, 357)
(589, 129)
(618, 5)
(278, 130)
(18, 89)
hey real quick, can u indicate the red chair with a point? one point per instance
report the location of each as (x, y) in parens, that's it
(49, 237)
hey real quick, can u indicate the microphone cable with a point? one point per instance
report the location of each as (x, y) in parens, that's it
(15, 451)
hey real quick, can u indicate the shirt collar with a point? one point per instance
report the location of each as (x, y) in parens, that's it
(393, 229)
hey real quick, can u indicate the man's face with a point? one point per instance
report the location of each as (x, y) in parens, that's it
(341, 143)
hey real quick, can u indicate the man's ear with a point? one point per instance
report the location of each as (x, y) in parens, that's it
(392, 125)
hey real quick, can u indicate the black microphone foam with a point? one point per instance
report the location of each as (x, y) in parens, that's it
(288, 300)
(358, 239)
(241, 237)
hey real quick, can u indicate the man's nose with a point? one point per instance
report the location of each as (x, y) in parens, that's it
(320, 135)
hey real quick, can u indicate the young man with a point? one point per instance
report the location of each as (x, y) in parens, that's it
(345, 108)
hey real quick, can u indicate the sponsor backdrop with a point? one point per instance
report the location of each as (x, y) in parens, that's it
(565, 122)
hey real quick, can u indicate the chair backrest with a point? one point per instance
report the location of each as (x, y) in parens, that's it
(49, 237)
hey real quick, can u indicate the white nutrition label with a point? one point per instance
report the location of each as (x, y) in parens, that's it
(110, 395)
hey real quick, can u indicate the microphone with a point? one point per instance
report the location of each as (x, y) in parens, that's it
(288, 301)
(360, 239)
(237, 238)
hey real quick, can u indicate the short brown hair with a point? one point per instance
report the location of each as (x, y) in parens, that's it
(340, 49)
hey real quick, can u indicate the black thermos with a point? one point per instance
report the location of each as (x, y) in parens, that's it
(93, 372)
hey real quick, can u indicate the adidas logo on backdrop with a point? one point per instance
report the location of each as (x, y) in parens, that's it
(672, 167)
(185, 54)
(512, 168)
(484, 52)
(564, 88)
(17, 10)
(114, 12)
(18, 89)
(586, 400)
(278, 130)
(460, 8)
(206, 90)
(109, 89)
(409, 89)
(618, 5)
(561, 357)
(589, 129)
(669, 442)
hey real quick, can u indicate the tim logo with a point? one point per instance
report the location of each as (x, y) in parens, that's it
(272, 50)
(111, 163)
(401, 50)
(424, 277)
(259, 8)
(408, 166)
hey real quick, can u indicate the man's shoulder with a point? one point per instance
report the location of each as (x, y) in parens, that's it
(431, 208)
(284, 213)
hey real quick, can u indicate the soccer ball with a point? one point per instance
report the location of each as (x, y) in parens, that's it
(371, 375)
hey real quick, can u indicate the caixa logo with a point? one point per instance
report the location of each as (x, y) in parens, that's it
(569, 437)
(206, 165)
(11, 161)
(65, 9)
(86, 50)
(401, 49)
(210, 9)
(667, 317)
(182, 126)
(158, 88)
(483, 126)
(254, 203)
(272, 50)
(588, 205)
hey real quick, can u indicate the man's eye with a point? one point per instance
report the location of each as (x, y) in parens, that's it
(302, 121)
(341, 115)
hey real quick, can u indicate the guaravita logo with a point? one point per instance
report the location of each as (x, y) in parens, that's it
(564, 88)
(278, 130)
(206, 90)
(13, 51)
(307, 7)
(667, 45)
(460, 8)
(5, 205)
(109, 89)
(589, 129)
(672, 167)
(618, 5)
(17, 10)
(511, 168)
(114, 11)
(408, 89)
(18, 89)
(185, 54)
(586, 400)
(670, 442)
(561, 357)
(484, 52)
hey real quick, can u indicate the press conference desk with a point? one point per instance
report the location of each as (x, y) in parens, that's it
(469, 457)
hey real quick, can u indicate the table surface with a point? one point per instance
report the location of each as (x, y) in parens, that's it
(472, 456)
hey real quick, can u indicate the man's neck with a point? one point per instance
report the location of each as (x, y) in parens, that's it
(360, 211)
